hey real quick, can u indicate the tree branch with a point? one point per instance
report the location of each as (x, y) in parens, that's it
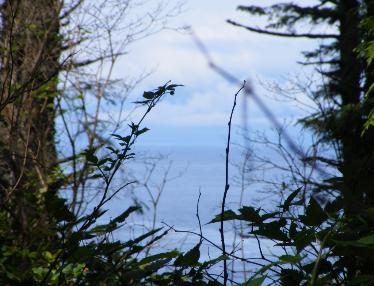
(280, 34)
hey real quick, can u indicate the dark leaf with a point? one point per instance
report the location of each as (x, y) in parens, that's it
(314, 214)
(272, 230)
(227, 215)
(190, 258)
(291, 277)
(287, 203)
(250, 214)
(152, 258)
(149, 95)
(141, 131)
(123, 216)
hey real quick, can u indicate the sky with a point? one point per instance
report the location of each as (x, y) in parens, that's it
(197, 114)
(191, 126)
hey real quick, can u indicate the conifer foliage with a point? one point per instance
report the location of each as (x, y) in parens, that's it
(326, 225)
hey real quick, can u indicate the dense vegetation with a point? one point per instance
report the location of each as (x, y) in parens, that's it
(323, 228)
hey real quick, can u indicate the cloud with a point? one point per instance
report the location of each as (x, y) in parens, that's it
(206, 99)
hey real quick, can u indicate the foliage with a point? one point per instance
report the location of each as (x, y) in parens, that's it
(57, 59)
(85, 253)
(323, 228)
(367, 49)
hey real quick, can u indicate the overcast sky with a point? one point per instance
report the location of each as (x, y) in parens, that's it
(198, 113)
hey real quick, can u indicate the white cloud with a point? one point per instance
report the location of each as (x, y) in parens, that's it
(207, 98)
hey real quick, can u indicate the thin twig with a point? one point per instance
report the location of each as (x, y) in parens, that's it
(198, 217)
(227, 186)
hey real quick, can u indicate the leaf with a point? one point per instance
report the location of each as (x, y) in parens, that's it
(117, 136)
(370, 121)
(292, 259)
(157, 265)
(314, 214)
(173, 86)
(131, 242)
(250, 214)
(254, 281)
(303, 238)
(271, 215)
(292, 230)
(287, 203)
(123, 216)
(191, 257)
(152, 258)
(142, 102)
(90, 156)
(227, 215)
(272, 230)
(291, 277)
(213, 261)
(367, 240)
(112, 149)
(103, 228)
(139, 132)
(148, 95)
(324, 266)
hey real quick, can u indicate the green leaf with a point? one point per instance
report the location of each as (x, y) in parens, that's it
(370, 121)
(213, 261)
(367, 240)
(152, 258)
(292, 259)
(254, 281)
(103, 228)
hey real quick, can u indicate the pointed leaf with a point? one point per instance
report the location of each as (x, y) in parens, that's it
(190, 258)
(227, 215)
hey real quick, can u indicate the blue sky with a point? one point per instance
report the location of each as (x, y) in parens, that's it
(198, 113)
(196, 116)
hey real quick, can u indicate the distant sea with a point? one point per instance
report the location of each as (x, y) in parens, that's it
(203, 169)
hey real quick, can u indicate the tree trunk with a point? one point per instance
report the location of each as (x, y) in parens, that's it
(30, 51)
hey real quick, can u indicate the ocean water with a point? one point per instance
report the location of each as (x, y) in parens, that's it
(193, 170)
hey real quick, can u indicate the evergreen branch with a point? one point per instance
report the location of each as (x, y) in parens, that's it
(281, 34)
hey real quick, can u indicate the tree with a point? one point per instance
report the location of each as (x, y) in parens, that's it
(344, 222)
(30, 62)
(45, 79)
